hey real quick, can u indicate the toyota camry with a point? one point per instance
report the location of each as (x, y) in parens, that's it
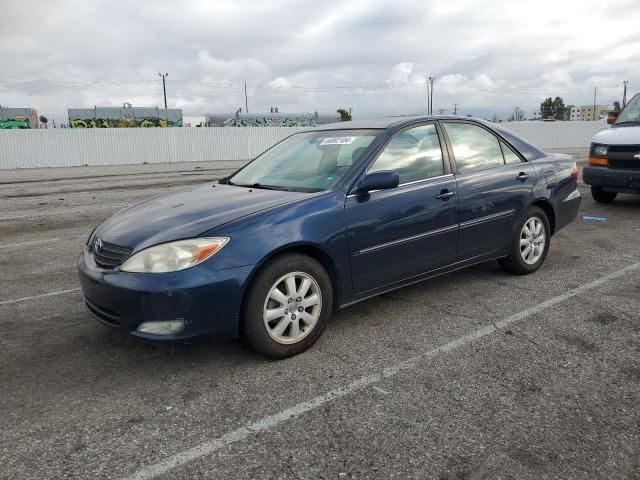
(324, 219)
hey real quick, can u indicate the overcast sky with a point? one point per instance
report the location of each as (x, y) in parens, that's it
(373, 56)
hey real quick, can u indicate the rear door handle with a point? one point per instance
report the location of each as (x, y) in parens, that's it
(445, 195)
(522, 176)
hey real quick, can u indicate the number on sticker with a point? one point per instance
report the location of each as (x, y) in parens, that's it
(338, 141)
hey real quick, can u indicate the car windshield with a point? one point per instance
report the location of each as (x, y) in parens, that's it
(631, 113)
(308, 162)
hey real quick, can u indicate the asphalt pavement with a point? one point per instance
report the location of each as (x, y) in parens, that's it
(475, 375)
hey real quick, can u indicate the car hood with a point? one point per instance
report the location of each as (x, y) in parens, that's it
(618, 136)
(187, 213)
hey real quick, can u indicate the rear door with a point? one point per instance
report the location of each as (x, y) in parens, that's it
(494, 185)
(402, 232)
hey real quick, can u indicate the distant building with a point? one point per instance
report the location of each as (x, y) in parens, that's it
(126, 116)
(271, 119)
(586, 112)
(574, 112)
(21, 118)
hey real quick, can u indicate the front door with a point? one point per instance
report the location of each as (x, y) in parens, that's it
(405, 231)
(494, 185)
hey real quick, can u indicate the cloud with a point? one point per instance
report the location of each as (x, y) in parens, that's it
(400, 74)
(373, 55)
(279, 83)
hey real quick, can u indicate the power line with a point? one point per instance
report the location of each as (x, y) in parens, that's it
(305, 88)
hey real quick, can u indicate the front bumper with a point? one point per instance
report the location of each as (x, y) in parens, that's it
(207, 300)
(612, 179)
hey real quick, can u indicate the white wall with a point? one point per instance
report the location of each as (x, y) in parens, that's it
(557, 134)
(119, 146)
(71, 147)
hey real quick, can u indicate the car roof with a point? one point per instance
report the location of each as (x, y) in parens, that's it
(389, 122)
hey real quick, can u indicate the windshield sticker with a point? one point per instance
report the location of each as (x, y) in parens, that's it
(338, 141)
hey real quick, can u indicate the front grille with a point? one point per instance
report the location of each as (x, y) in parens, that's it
(110, 255)
(622, 156)
(625, 163)
(105, 315)
(632, 149)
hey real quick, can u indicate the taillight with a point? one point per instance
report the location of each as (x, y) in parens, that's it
(574, 171)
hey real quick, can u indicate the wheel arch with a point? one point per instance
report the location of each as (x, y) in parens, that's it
(547, 208)
(311, 250)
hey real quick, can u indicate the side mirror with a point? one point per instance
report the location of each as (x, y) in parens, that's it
(612, 117)
(381, 180)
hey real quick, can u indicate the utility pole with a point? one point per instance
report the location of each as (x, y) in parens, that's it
(246, 101)
(441, 110)
(428, 99)
(595, 93)
(164, 88)
(624, 94)
(455, 108)
(431, 79)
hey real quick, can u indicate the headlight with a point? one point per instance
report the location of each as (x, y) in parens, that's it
(174, 256)
(600, 150)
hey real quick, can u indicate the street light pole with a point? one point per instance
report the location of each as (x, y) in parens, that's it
(164, 88)
(431, 79)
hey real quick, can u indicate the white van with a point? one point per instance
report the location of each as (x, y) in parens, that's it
(614, 155)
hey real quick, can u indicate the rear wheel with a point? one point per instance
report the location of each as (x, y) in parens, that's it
(530, 244)
(601, 196)
(288, 305)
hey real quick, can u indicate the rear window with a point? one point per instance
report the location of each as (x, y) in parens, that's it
(525, 148)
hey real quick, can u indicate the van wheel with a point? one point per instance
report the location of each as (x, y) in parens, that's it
(530, 244)
(601, 196)
(287, 307)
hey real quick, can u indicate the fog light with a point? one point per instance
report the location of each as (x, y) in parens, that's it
(161, 328)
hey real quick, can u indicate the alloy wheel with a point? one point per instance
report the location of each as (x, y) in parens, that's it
(532, 240)
(292, 307)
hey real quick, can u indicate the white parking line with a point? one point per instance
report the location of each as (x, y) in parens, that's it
(11, 245)
(210, 446)
(35, 297)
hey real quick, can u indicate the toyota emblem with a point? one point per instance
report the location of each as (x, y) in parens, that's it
(97, 245)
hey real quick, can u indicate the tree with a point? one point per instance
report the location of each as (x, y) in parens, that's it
(345, 116)
(553, 109)
(559, 109)
(546, 108)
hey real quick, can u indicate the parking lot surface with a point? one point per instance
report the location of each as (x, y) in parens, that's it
(473, 375)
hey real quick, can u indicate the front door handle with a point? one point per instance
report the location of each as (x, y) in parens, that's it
(522, 176)
(445, 195)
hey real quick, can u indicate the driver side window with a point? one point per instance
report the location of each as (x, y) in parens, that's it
(414, 153)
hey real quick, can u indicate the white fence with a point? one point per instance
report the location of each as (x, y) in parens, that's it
(547, 135)
(70, 147)
(120, 146)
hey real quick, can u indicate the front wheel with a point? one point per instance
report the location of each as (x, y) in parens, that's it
(530, 244)
(601, 196)
(287, 307)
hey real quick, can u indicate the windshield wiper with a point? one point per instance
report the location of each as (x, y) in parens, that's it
(628, 122)
(269, 187)
(259, 185)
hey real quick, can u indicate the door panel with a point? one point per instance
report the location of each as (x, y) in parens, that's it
(494, 184)
(398, 233)
(490, 202)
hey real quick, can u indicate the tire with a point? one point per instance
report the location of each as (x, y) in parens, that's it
(601, 196)
(264, 325)
(520, 260)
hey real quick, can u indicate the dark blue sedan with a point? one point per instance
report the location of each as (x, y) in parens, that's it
(322, 220)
